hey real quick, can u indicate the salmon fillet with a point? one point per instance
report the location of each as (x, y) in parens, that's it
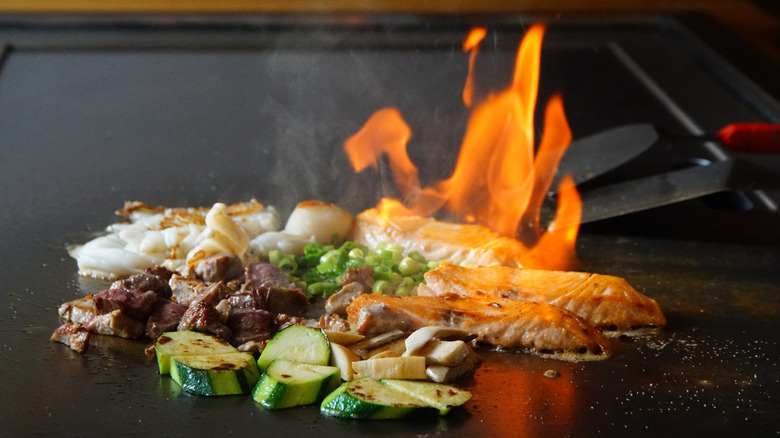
(437, 240)
(604, 301)
(538, 327)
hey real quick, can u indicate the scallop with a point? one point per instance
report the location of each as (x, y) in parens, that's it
(320, 220)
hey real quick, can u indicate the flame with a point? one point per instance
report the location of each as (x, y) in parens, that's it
(498, 180)
(471, 45)
(384, 132)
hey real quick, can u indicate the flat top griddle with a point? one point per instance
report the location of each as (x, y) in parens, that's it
(188, 111)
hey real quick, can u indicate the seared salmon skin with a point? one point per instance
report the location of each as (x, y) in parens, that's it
(537, 327)
(604, 301)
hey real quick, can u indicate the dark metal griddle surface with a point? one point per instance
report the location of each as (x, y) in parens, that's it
(193, 110)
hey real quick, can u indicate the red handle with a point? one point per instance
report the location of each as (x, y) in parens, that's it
(751, 137)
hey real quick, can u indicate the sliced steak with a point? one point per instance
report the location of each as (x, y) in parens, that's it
(165, 317)
(250, 325)
(73, 335)
(219, 267)
(132, 302)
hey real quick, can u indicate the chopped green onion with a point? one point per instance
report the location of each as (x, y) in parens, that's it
(383, 287)
(408, 266)
(320, 268)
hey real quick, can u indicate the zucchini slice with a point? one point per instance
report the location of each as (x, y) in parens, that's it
(366, 398)
(298, 344)
(286, 384)
(187, 343)
(440, 396)
(216, 374)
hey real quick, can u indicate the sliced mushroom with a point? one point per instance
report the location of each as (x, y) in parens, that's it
(447, 353)
(442, 374)
(343, 338)
(342, 357)
(421, 336)
(410, 368)
(366, 347)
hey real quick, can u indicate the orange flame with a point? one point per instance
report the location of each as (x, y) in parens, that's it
(498, 180)
(471, 45)
(384, 132)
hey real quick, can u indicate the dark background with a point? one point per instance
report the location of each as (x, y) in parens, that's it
(187, 111)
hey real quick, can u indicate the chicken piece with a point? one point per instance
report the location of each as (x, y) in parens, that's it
(116, 323)
(604, 301)
(538, 327)
(338, 302)
(222, 266)
(113, 323)
(79, 311)
(73, 335)
(437, 240)
(374, 320)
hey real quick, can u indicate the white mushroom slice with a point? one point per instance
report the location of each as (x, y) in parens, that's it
(393, 349)
(385, 353)
(421, 336)
(366, 347)
(447, 353)
(343, 338)
(342, 357)
(442, 374)
(406, 368)
(319, 219)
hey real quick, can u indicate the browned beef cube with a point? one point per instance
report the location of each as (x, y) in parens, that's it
(160, 272)
(273, 299)
(266, 274)
(213, 294)
(204, 317)
(145, 282)
(219, 267)
(165, 317)
(338, 302)
(132, 302)
(289, 301)
(250, 325)
(363, 276)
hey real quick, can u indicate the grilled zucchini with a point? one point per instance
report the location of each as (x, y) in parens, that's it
(366, 398)
(371, 399)
(285, 384)
(187, 343)
(215, 374)
(298, 344)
